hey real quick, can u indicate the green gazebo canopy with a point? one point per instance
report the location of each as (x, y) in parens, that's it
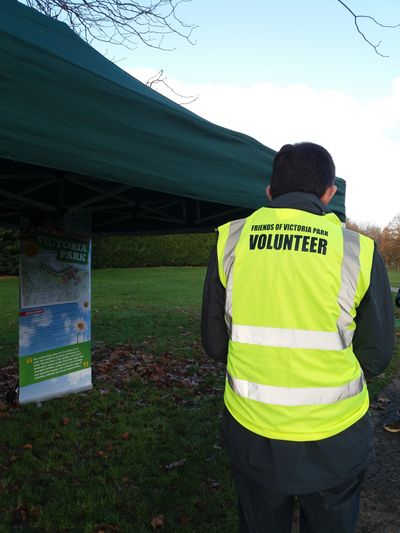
(79, 135)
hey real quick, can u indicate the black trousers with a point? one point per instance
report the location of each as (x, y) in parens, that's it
(330, 511)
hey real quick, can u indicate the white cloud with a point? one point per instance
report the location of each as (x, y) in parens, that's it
(25, 336)
(363, 137)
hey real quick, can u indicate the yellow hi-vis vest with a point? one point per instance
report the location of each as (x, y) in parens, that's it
(293, 283)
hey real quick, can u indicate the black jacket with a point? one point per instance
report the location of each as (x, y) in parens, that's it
(304, 467)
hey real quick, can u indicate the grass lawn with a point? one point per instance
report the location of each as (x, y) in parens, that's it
(136, 451)
(394, 277)
(140, 452)
(128, 306)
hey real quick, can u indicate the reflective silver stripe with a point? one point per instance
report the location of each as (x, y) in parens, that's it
(235, 229)
(290, 338)
(348, 288)
(295, 396)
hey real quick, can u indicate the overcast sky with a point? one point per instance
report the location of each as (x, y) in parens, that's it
(293, 71)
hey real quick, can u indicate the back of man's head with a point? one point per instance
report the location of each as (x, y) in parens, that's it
(302, 167)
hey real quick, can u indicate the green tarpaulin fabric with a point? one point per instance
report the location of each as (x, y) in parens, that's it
(76, 125)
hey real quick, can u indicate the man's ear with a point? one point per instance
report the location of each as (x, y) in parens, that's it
(328, 194)
(268, 192)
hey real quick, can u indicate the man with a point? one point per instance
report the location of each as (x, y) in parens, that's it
(300, 309)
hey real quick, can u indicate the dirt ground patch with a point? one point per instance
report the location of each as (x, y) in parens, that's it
(380, 500)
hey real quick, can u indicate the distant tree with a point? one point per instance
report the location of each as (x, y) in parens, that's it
(368, 17)
(120, 22)
(390, 244)
(366, 228)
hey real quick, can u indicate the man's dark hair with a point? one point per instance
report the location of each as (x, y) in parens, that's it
(302, 167)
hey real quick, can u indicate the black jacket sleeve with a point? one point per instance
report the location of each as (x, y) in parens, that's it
(397, 299)
(214, 335)
(373, 340)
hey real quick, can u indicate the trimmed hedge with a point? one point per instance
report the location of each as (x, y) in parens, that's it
(153, 250)
(9, 252)
(126, 252)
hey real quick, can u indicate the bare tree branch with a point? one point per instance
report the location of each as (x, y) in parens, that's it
(356, 17)
(119, 21)
(160, 78)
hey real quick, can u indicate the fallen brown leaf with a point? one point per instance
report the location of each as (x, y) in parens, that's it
(382, 399)
(392, 427)
(157, 521)
(21, 513)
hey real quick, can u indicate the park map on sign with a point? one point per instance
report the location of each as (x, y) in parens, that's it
(55, 270)
(48, 281)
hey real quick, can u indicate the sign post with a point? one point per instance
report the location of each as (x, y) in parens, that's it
(55, 312)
